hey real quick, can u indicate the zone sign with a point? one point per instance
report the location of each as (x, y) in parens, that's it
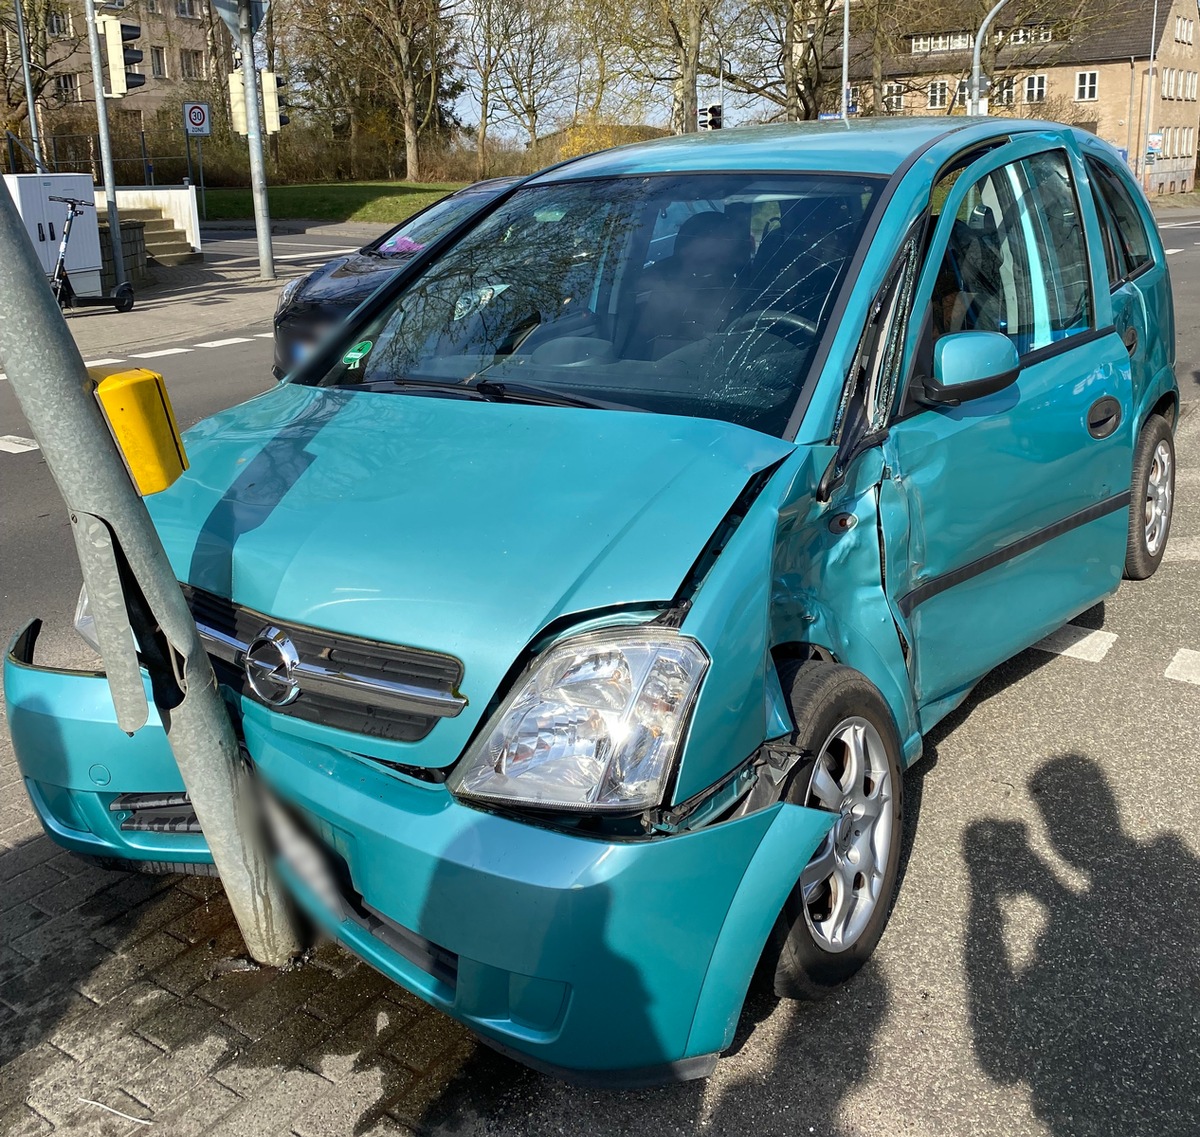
(197, 119)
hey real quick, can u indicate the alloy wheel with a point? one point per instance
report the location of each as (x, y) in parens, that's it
(1158, 498)
(841, 886)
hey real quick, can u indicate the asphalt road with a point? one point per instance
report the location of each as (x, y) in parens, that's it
(1041, 971)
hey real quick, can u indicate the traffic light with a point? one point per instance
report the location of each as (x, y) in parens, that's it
(121, 58)
(274, 101)
(237, 102)
(714, 116)
(702, 113)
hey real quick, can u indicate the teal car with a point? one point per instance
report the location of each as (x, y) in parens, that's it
(581, 608)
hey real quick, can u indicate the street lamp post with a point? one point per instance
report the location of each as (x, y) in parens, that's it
(1144, 165)
(29, 101)
(975, 76)
(845, 59)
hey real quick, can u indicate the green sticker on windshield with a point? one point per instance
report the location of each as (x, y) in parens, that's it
(356, 354)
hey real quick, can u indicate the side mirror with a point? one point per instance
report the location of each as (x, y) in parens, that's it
(969, 365)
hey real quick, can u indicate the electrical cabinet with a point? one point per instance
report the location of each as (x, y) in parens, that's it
(44, 220)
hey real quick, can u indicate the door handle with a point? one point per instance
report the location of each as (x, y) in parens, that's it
(50, 226)
(1130, 339)
(1103, 417)
(41, 232)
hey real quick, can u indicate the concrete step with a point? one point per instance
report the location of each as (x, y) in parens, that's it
(142, 214)
(164, 248)
(167, 260)
(154, 225)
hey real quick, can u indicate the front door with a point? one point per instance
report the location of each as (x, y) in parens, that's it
(1008, 513)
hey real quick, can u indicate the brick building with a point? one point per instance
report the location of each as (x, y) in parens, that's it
(1094, 72)
(180, 41)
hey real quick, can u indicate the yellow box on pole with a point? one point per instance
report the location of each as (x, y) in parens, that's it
(135, 402)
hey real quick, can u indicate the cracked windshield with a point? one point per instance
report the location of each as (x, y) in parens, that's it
(702, 295)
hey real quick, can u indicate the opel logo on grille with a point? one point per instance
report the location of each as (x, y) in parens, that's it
(270, 666)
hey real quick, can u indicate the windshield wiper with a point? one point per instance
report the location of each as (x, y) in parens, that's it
(465, 391)
(543, 396)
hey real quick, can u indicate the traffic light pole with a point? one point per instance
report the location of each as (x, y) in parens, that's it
(31, 105)
(130, 581)
(258, 170)
(106, 159)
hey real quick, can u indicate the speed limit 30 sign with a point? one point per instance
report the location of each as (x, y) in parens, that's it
(197, 119)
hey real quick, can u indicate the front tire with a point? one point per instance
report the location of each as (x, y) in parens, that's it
(1152, 499)
(836, 913)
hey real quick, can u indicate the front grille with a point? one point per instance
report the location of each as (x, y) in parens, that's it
(156, 813)
(347, 683)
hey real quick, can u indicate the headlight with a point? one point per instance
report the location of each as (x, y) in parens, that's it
(594, 724)
(287, 292)
(84, 624)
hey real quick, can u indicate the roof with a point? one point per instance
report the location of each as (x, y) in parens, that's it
(862, 146)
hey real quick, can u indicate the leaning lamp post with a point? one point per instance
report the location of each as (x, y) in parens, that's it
(976, 79)
(132, 589)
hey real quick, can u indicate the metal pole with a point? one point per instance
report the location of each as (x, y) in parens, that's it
(200, 165)
(1150, 96)
(1129, 154)
(845, 59)
(31, 106)
(146, 176)
(106, 161)
(111, 527)
(980, 36)
(258, 173)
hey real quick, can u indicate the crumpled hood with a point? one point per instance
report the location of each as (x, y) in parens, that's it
(451, 525)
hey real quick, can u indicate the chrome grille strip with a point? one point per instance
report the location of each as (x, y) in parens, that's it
(322, 678)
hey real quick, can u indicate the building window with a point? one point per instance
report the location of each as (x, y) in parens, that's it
(944, 41)
(1005, 92)
(1040, 34)
(191, 64)
(66, 88)
(1085, 85)
(1035, 88)
(893, 97)
(960, 93)
(189, 9)
(939, 94)
(158, 62)
(852, 97)
(151, 6)
(58, 22)
(1165, 86)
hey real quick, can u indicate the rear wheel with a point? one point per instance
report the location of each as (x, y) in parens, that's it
(1152, 499)
(838, 908)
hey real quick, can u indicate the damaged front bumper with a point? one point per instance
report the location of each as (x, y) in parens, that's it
(607, 962)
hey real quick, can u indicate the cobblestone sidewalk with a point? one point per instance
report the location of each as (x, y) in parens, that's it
(133, 993)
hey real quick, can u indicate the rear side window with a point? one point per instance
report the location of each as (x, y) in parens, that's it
(1132, 240)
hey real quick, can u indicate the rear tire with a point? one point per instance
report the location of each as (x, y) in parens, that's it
(836, 913)
(1152, 499)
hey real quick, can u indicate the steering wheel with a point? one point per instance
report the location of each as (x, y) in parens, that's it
(798, 330)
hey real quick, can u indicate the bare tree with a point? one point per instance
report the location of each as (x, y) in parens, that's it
(532, 63)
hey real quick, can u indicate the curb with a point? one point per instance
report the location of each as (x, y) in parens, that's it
(290, 226)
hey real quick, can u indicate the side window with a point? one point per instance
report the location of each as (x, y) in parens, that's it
(1113, 261)
(1058, 236)
(1134, 244)
(1015, 260)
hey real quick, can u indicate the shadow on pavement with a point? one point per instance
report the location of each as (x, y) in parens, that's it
(1089, 994)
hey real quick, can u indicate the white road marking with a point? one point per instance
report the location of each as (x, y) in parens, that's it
(161, 352)
(1078, 643)
(1172, 252)
(264, 335)
(1185, 666)
(223, 343)
(1179, 225)
(1182, 549)
(12, 444)
(101, 362)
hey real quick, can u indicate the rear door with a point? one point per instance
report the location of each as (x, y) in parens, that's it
(1006, 516)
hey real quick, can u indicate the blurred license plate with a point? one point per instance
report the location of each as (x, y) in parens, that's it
(302, 855)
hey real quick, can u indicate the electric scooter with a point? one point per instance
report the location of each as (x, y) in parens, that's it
(60, 283)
